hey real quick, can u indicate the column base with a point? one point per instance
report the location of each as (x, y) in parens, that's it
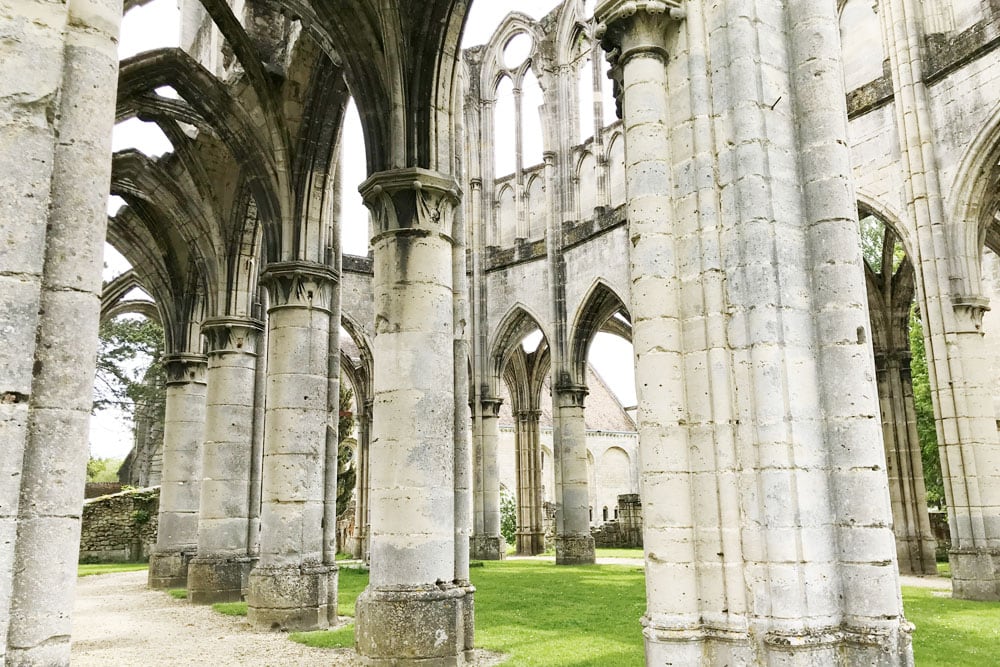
(916, 556)
(212, 580)
(575, 550)
(487, 547)
(294, 598)
(169, 569)
(425, 626)
(469, 618)
(530, 544)
(975, 574)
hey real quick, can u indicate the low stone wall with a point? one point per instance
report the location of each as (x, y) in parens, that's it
(121, 527)
(626, 530)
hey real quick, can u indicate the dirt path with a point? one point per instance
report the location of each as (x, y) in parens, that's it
(118, 621)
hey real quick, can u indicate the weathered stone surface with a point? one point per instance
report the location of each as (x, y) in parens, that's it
(290, 598)
(425, 626)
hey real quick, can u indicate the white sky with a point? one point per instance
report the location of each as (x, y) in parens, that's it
(157, 25)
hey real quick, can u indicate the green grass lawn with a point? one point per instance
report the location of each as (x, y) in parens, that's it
(541, 615)
(602, 552)
(88, 569)
(952, 633)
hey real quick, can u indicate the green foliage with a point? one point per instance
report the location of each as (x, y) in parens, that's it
(231, 608)
(926, 429)
(346, 465)
(103, 470)
(178, 593)
(141, 517)
(508, 515)
(90, 569)
(874, 236)
(952, 633)
(129, 364)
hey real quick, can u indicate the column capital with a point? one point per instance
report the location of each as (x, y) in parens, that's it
(412, 201)
(969, 309)
(634, 28)
(185, 368)
(232, 335)
(299, 285)
(571, 395)
(529, 415)
(490, 406)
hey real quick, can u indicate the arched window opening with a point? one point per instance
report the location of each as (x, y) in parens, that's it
(536, 208)
(879, 243)
(517, 50)
(504, 135)
(588, 8)
(587, 186)
(616, 172)
(585, 99)
(507, 216)
(861, 41)
(532, 134)
(612, 358)
(608, 102)
(605, 513)
(355, 227)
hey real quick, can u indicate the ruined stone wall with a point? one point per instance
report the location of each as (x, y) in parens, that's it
(120, 528)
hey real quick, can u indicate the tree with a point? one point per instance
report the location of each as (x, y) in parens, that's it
(346, 468)
(926, 429)
(129, 364)
(103, 470)
(508, 515)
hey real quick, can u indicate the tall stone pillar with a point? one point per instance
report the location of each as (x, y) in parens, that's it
(951, 303)
(767, 530)
(219, 571)
(180, 487)
(487, 542)
(57, 111)
(412, 606)
(361, 516)
(528, 464)
(289, 586)
(574, 543)
(915, 543)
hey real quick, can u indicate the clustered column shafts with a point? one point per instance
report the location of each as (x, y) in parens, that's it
(412, 606)
(57, 101)
(362, 511)
(915, 543)
(574, 543)
(180, 487)
(219, 571)
(957, 356)
(489, 543)
(794, 375)
(289, 587)
(528, 464)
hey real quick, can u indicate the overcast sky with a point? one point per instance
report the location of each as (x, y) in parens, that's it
(156, 25)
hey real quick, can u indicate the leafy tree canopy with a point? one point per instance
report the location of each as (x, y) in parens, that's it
(129, 364)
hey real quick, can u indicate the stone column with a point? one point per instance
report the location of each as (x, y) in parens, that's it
(361, 522)
(915, 544)
(180, 487)
(412, 606)
(288, 588)
(528, 462)
(488, 543)
(57, 108)
(574, 543)
(951, 304)
(219, 571)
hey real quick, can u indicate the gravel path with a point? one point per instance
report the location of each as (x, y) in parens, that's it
(118, 621)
